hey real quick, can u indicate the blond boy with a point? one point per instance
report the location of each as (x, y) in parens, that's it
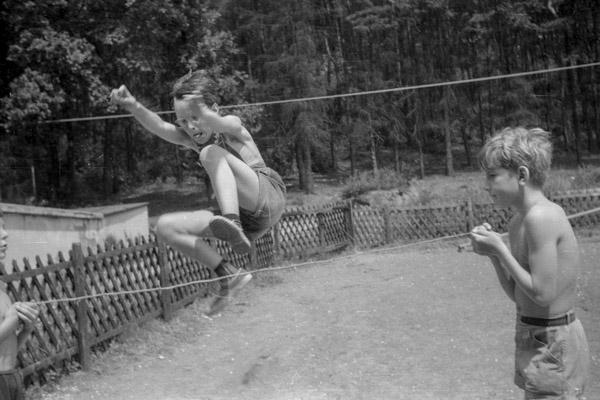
(538, 267)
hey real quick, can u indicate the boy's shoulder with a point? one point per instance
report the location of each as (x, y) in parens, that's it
(5, 302)
(4, 296)
(545, 213)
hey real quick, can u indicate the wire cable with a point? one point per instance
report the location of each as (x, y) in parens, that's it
(352, 94)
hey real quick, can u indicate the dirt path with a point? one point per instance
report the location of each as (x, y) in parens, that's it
(431, 324)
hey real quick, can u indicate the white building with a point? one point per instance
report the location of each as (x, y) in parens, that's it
(39, 231)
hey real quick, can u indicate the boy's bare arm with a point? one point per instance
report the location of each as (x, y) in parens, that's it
(540, 284)
(161, 128)
(506, 281)
(149, 119)
(9, 324)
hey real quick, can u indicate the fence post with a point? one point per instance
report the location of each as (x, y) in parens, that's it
(165, 281)
(276, 242)
(470, 216)
(350, 223)
(81, 308)
(321, 229)
(253, 255)
(388, 225)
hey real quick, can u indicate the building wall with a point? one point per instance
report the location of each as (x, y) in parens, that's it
(39, 231)
(128, 224)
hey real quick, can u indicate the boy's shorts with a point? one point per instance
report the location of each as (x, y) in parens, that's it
(271, 204)
(551, 362)
(11, 385)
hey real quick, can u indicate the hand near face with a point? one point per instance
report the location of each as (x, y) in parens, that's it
(485, 241)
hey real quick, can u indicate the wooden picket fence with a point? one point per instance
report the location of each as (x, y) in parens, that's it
(157, 279)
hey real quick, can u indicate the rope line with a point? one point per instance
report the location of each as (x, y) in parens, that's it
(211, 280)
(342, 95)
(466, 246)
(302, 264)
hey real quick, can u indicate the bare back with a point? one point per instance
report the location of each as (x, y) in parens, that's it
(563, 253)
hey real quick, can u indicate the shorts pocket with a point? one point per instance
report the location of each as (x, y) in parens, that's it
(542, 366)
(548, 342)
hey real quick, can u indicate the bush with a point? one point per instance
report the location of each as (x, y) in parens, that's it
(366, 181)
(582, 178)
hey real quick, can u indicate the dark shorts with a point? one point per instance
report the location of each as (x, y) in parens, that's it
(11, 385)
(271, 204)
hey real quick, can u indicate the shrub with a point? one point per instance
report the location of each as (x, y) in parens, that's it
(366, 181)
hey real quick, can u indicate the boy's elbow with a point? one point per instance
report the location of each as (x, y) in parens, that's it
(233, 124)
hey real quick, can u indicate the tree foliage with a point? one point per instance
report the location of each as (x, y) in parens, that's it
(62, 57)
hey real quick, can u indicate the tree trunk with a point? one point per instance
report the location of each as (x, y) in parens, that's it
(573, 103)
(373, 151)
(397, 164)
(107, 166)
(129, 155)
(352, 150)
(178, 169)
(481, 124)
(448, 134)
(304, 161)
(563, 115)
(467, 145)
(417, 135)
(70, 188)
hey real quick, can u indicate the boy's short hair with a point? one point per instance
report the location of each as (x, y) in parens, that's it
(512, 148)
(197, 85)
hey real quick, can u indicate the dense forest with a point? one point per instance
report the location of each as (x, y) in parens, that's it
(61, 58)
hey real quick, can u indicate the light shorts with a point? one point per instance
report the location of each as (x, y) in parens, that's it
(271, 204)
(551, 362)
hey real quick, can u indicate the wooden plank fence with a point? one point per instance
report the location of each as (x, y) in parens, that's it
(68, 331)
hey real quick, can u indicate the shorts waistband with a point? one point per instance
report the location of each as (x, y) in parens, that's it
(9, 372)
(558, 321)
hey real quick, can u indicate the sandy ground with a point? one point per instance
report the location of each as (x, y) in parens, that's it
(403, 324)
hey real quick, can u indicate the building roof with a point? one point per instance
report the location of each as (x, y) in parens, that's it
(83, 213)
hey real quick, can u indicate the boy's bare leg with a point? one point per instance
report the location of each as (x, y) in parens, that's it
(235, 185)
(184, 231)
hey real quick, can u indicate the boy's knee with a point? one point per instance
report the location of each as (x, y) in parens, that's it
(210, 153)
(164, 226)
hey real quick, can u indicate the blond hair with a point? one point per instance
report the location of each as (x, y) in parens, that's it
(512, 148)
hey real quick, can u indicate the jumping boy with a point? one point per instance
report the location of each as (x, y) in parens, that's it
(538, 267)
(11, 338)
(251, 196)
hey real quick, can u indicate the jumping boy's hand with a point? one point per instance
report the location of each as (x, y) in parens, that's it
(122, 97)
(485, 241)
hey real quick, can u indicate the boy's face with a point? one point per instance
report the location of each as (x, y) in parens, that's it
(503, 186)
(196, 119)
(3, 237)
